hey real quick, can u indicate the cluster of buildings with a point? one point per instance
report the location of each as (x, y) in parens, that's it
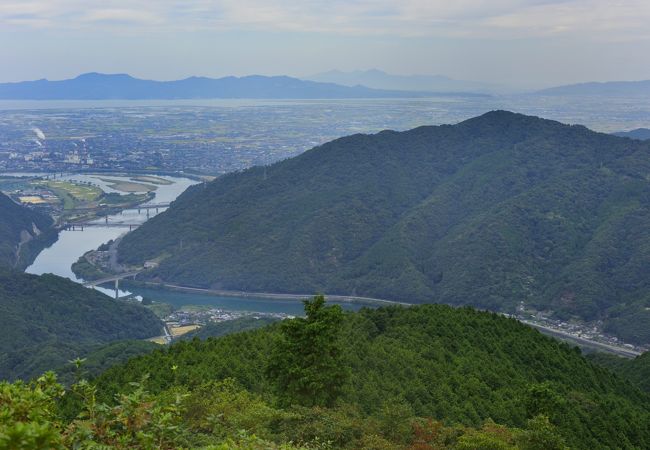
(182, 318)
(583, 331)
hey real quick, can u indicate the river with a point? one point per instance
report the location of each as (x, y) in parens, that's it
(59, 257)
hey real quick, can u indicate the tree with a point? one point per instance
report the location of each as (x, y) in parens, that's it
(306, 363)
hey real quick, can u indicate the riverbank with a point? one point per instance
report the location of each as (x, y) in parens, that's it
(268, 295)
(582, 342)
(587, 344)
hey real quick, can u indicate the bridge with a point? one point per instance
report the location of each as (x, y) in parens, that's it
(114, 278)
(147, 207)
(79, 226)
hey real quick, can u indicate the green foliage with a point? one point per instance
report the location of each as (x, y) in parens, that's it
(458, 366)
(83, 269)
(27, 414)
(306, 364)
(20, 224)
(99, 358)
(48, 320)
(222, 415)
(490, 212)
(161, 310)
(636, 370)
(216, 329)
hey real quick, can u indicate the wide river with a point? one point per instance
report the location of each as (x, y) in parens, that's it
(59, 257)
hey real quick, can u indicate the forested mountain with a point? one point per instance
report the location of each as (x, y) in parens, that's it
(47, 320)
(642, 134)
(635, 370)
(459, 366)
(218, 329)
(23, 233)
(98, 86)
(494, 211)
(608, 88)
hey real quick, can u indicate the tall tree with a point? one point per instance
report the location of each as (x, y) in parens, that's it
(306, 364)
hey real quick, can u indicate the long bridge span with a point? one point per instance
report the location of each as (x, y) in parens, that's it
(79, 226)
(113, 279)
(147, 207)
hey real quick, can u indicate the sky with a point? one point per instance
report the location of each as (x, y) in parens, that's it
(523, 43)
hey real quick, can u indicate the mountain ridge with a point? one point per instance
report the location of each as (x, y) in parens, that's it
(456, 365)
(642, 134)
(491, 212)
(607, 88)
(98, 86)
(379, 79)
(48, 320)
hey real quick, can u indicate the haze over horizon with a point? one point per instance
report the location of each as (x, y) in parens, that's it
(521, 43)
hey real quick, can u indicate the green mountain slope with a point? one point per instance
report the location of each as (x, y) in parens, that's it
(635, 370)
(218, 329)
(496, 210)
(457, 365)
(48, 320)
(18, 225)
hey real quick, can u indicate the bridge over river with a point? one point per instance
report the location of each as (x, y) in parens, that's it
(80, 225)
(113, 279)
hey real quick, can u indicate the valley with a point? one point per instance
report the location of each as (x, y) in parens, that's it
(85, 188)
(153, 253)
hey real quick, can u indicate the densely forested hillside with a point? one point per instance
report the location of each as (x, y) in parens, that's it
(23, 233)
(496, 210)
(218, 329)
(456, 365)
(101, 357)
(635, 370)
(47, 320)
(641, 134)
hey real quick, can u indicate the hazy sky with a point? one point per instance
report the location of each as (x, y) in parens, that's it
(524, 42)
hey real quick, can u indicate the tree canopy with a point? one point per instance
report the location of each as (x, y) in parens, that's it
(47, 320)
(458, 366)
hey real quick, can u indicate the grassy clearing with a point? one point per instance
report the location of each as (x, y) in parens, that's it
(128, 186)
(79, 192)
(161, 310)
(179, 331)
(71, 194)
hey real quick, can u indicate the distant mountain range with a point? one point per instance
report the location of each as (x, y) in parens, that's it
(494, 211)
(378, 79)
(97, 86)
(641, 134)
(609, 88)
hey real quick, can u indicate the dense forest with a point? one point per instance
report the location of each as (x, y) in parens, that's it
(642, 134)
(446, 366)
(23, 233)
(494, 211)
(636, 370)
(218, 329)
(47, 320)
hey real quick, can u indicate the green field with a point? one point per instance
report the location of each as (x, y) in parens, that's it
(128, 186)
(71, 194)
